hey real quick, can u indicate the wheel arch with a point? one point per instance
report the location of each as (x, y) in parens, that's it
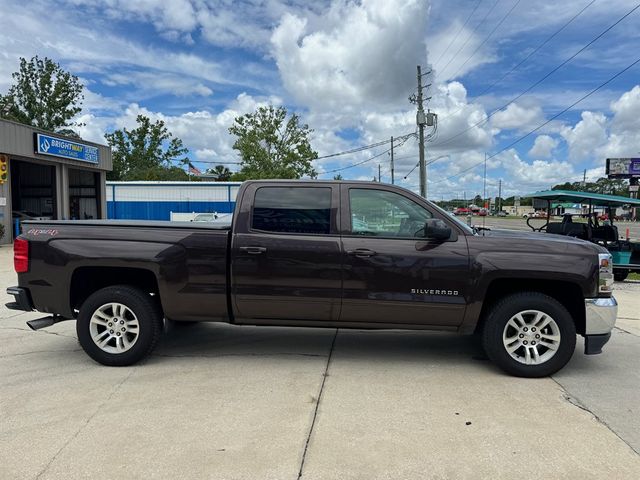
(89, 279)
(566, 293)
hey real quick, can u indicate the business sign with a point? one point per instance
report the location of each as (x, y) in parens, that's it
(57, 147)
(623, 167)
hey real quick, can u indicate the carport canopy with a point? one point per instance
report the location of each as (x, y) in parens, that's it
(594, 199)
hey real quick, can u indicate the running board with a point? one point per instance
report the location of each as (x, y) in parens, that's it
(44, 322)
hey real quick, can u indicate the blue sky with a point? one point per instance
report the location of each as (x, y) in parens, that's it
(348, 68)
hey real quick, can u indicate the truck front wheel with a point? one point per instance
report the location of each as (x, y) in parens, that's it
(529, 334)
(119, 325)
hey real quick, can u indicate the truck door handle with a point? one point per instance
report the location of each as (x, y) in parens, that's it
(361, 252)
(253, 250)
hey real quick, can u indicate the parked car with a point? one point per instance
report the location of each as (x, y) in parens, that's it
(218, 218)
(205, 217)
(501, 213)
(536, 214)
(293, 256)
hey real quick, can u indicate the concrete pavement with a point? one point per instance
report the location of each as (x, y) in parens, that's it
(224, 402)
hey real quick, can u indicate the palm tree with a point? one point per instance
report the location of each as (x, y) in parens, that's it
(220, 173)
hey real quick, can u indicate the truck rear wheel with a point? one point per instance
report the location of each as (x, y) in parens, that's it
(529, 334)
(119, 325)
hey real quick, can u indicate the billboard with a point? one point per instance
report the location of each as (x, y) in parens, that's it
(58, 147)
(623, 167)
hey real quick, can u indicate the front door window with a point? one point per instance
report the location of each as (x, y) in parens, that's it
(378, 213)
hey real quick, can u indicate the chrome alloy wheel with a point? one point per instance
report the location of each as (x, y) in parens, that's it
(114, 328)
(531, 337)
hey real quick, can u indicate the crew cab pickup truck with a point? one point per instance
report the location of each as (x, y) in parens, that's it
(319, 254)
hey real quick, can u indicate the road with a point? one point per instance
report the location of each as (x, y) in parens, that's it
(225, 402)
(514, 223)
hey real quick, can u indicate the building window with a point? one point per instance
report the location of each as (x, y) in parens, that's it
(305, 210)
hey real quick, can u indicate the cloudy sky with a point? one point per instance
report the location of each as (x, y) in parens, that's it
(347, 68)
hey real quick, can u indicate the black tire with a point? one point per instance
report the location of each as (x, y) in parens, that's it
(620, 275)
(495, 326)
(147, 313)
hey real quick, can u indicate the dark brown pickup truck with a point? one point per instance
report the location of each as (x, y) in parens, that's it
(320, 254)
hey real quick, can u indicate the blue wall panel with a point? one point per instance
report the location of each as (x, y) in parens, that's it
(124, 210)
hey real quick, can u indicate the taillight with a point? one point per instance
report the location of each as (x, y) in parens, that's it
(21, 255)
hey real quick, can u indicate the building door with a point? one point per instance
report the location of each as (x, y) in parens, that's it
(84, 201)
(33, 191)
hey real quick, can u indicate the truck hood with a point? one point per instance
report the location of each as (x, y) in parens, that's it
(541, 239)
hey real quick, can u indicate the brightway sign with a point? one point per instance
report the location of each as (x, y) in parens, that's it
(57, 147)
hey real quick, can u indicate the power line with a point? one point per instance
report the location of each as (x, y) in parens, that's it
(524, 60)
(546, 122)
(470, 35)
(403, 140)
(457, 33)
(433, 160)
(537, 49)
(535, 84)
(487, 38)
(356, 164)
(365, 147)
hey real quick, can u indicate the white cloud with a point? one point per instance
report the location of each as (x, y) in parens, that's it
(517, 116)
(150, 84)
(586, 136)
(462, 126)
(175, 15)
(627, 111)
(537, 174)
(357, 55)
(460, 58)
(543, 146)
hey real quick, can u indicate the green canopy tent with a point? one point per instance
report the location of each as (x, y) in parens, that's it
(625, 253)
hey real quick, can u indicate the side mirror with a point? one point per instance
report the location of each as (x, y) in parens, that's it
(436, 229)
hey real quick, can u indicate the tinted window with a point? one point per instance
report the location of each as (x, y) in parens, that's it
(385, 214)
(292, 210)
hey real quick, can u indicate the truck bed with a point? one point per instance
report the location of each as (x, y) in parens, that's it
(184, 262)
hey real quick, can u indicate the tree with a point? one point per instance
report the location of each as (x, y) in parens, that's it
(271, 146)
(220, 173)
(337, 177)
(608, 186)
(146, 152)
(43, 96)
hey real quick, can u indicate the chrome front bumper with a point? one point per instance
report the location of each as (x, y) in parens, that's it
(600, 315)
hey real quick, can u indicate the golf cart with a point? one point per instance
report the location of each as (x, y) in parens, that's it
(591, 225)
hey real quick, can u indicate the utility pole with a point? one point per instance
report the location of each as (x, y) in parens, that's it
(500, 195)
(584, 178)
(421, 121)
(484, 185)
(378, 173)
(392, 174)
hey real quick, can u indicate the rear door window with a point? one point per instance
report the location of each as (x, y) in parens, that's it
(303, 210)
